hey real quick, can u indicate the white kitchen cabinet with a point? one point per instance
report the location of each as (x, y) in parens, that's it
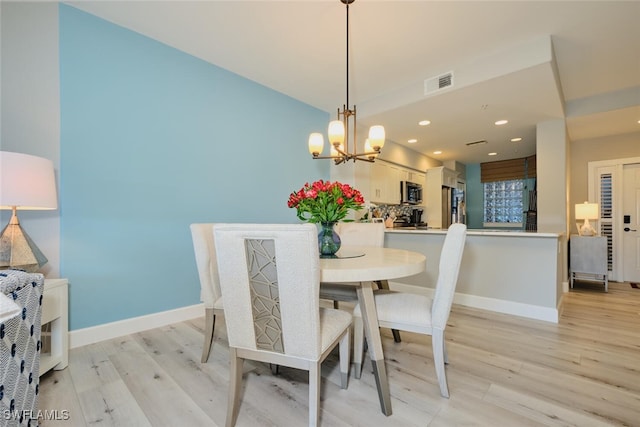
(417, 177)
(432, 195)
(385, 183)
(449, 178)
(412, 176)
(395, 176)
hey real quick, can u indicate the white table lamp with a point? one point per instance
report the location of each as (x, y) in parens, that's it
(26, 182)
(586, 211)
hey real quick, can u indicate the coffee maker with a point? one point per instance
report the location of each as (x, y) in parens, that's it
(416, 216)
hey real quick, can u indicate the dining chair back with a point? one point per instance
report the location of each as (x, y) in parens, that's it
(270, 280)
(418, 313)
(210, 295)
(448, 270)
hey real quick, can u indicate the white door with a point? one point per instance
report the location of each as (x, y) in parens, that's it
(631, 223)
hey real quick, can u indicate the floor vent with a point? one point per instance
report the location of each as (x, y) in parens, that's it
(437, 83)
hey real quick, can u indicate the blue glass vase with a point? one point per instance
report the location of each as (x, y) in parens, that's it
(328, 240)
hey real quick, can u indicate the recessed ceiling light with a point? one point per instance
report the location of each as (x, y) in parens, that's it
(424, 122)
(493, 154)
(437, 152)
(412, 141)
(516, 139)
(501, 122)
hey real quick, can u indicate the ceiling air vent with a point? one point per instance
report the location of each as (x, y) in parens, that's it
(437, 83)
(471, 144)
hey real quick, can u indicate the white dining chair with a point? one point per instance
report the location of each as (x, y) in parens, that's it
(356, 234)
(418, 313)
(270, 280)
(210, 295)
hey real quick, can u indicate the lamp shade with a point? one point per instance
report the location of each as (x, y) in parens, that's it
(336, 132)
(376, 137)
(587, 210)
(316, 143)
(26, 182)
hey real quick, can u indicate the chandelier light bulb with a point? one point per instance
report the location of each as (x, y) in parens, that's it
(316, 144)
(376, 137)
(336, 132)
(369, 149)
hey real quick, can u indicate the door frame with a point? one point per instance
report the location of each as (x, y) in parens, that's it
(616, 165)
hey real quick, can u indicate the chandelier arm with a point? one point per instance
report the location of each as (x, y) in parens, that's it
(366, 153)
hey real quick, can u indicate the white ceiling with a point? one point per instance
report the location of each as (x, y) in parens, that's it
(525, 61)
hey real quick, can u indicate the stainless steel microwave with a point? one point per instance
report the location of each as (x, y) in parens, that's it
(410, 193)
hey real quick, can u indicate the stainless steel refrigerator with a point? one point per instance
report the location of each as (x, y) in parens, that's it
(453, 207)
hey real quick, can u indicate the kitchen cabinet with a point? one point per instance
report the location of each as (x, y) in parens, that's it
(385, 183)
(413, 176)
(434, 202)
(449, 178)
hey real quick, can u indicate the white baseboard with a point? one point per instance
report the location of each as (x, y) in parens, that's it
(492, 304)
(111, 330)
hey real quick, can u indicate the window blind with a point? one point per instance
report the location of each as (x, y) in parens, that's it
(503, 170)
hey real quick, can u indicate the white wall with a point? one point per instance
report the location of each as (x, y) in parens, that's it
(508, 272)
(30, 114)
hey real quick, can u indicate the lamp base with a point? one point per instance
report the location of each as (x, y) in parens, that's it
(586, 229)
(17, 250)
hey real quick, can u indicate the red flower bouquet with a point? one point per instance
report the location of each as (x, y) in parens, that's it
(325, 201)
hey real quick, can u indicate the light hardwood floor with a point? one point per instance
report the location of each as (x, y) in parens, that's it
(503, 371)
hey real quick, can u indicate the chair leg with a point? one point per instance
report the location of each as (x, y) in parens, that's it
(314, 394)
(358, 345)
(383, 284)
(275, 369)
(345, 359)
(437, 341)
(210, 325)
(444, 351)
(235, 382)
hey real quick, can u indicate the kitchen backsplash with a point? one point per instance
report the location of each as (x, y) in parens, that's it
(383, 211)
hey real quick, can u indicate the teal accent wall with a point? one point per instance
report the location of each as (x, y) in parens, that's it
(153, 139)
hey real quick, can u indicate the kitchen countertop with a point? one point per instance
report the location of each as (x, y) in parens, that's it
(473, 232)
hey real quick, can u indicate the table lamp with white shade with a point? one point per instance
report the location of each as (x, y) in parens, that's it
(26, 183)
(586, 211)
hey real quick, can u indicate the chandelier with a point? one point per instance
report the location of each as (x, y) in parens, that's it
(342, 150)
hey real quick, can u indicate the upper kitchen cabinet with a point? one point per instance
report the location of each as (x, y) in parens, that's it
(442, 177)
(385, 183)
(412, 176)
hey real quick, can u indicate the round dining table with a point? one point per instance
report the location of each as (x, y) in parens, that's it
(359, 266)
